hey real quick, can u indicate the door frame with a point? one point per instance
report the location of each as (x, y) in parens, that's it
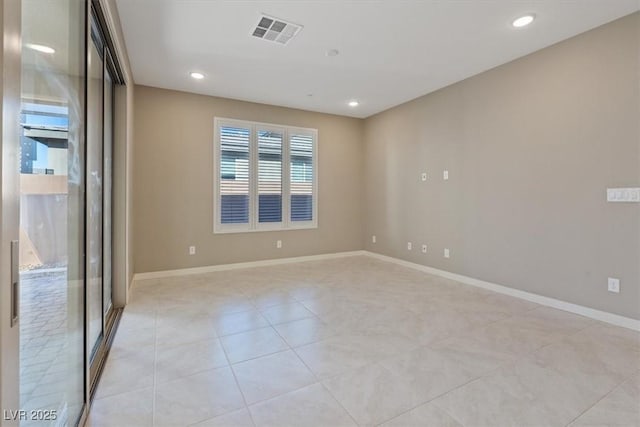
(95, 21)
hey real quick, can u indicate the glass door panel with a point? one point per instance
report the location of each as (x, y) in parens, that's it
(108, 193)
(95, 165)
(52, 184)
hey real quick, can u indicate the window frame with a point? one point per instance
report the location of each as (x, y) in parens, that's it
(253, 225)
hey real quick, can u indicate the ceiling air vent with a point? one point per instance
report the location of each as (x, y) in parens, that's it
(275, 29)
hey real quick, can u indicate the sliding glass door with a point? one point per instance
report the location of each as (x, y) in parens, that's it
(65, 176)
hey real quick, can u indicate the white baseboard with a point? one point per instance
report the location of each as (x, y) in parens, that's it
(603, 316)
(235, 266)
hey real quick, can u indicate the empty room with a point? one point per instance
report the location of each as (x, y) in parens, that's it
(320, 213)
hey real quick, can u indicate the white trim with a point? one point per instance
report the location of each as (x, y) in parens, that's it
(304, 225)
(129, 288)
(239, 265)
(614, 319)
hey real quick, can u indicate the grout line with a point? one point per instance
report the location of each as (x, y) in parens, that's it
(245, 332)
(258, 357)
(155, 367)
(318, 381)
(339, 403)
(431, 400)
(428, 402)
(244, 399)
(279, 394)
(477, 378)
(557, 341)
(456, 419)
(282, 394)
(297, 355)
(618, 385)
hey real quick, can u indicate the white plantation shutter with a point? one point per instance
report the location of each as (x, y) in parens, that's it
(234, 175)
(301, 177)
(269, 176)
(264, 177)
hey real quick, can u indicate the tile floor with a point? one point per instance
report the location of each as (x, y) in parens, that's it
(357, 341)
(50, 346)
(43, 300)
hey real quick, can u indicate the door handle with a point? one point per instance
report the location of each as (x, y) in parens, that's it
(15, 282)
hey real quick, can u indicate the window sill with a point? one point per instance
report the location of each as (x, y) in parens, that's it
(263, 230)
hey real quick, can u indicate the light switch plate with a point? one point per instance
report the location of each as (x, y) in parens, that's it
(423, 177)
(629, 195)
(446, 253)
(445, 175)
(613, 285)
(409, 246)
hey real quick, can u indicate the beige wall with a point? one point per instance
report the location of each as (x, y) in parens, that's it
(530, 147)
(173, 183)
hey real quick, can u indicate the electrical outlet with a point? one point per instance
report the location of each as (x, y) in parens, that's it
(423, 176)
(409, 246)
(446, 253)
(445, 175)
(373, 238)
(279, 244)
(192, 250)
(424, 249)
(613, 285)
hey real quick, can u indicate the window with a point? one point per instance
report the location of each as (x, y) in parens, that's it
(301, 147)
(255, 190)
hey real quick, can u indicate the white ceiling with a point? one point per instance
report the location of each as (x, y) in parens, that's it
(391, 51)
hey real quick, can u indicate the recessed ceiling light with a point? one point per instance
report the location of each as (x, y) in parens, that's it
(197, 76)
(353, 103)
(333, 52)
(40, 48)
(523, 21)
